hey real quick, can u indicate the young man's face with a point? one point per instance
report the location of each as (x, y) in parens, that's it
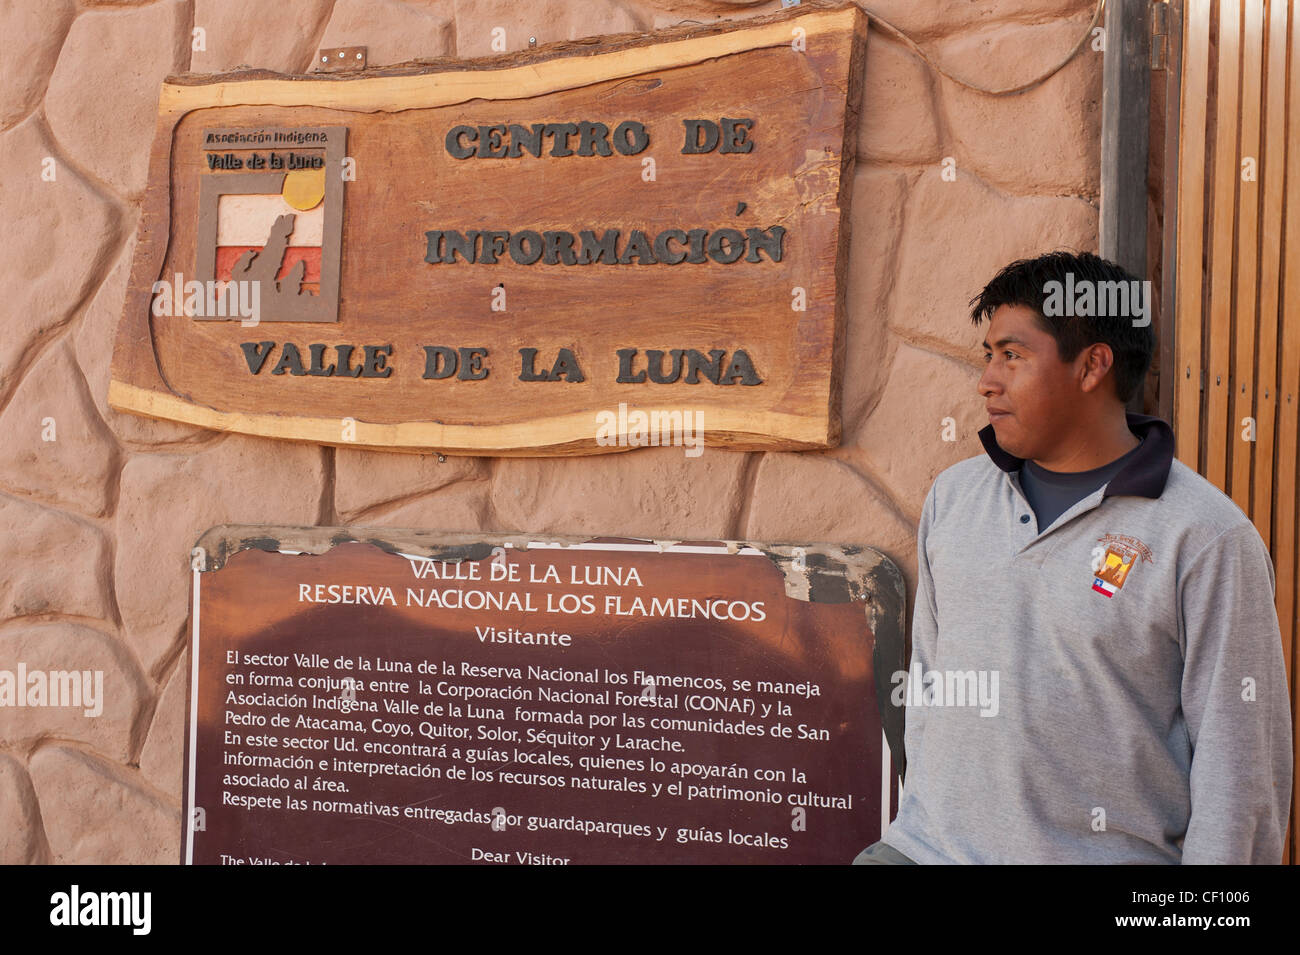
(1032, 397)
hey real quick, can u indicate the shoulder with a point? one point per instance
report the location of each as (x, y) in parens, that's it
(1207, 524)
(1190, 497)
(971, 474)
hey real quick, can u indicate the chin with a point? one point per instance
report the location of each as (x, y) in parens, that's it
(1008, 438)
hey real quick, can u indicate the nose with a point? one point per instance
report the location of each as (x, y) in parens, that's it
(988, 384)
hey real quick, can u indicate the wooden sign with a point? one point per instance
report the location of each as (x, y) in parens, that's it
(578, 249)
(411, 697)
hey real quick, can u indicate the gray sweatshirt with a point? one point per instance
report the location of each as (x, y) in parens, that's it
(1110, 691)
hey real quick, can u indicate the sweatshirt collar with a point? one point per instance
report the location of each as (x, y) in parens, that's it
(1144, 475)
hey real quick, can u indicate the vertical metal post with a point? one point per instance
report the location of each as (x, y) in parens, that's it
(1125, 140)
(1173, 77)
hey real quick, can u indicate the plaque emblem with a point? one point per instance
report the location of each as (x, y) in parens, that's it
(271, 213)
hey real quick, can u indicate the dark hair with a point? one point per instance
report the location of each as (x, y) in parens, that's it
(1028, 282)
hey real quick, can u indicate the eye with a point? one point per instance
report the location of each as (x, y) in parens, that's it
(988, 355)
(1010, 354)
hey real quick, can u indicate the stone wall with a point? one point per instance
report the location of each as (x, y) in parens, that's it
(96, 525)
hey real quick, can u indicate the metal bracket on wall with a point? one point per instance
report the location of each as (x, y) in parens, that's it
(341, 59)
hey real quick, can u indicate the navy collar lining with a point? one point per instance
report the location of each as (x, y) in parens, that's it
(1144, 475)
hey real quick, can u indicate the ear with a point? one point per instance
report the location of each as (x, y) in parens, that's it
(1094, 364)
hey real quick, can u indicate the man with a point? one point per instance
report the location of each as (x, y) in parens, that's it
(1116, 606)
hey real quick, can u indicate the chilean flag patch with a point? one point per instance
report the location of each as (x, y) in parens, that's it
(1102, 587)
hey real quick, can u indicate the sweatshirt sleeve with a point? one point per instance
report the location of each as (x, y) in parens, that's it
(1236, 704)
(925, 631)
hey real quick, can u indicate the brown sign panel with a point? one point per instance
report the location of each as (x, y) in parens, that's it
(411, 697)
(518, 255)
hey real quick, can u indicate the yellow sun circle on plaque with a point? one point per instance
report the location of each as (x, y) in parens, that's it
(304, 188)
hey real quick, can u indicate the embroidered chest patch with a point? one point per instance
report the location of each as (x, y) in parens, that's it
(1113, 560)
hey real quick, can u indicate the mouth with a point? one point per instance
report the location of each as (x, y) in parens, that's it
(996, 416)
